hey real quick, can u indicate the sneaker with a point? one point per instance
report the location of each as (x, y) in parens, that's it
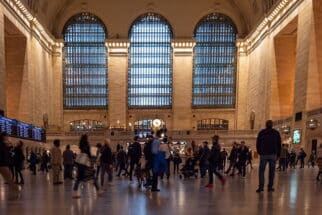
(259, 190)
(209, 186)
(155, 190)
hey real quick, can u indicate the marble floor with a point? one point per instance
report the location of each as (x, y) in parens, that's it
(297, 192)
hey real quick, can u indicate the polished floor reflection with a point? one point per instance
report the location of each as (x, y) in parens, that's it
(297, 192)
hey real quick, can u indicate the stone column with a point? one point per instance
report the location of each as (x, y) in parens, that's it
(182, 84)
(55, 115)
(117, 81)
(314, 97)
(2, 64)
(242, 116)
(302, 67)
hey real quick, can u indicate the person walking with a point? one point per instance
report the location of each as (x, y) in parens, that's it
(268, 146)
(243, 156)
(204, 159)
(283, 158)
(301, 157)
(121, 160)
(106, 162)
(5, 162)
(19, 159)
(319, 161)
(148, 156)
(68, 161)
(85, 170)
(98, 158)
(165, 149)
(233, 156)
(56, 162)
(134, 153)
(214, 162)
(177, 160)
(155, 148)
(312, 159)
(223, 158)
(33, 162)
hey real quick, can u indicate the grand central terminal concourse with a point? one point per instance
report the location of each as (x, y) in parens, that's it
(160, 107)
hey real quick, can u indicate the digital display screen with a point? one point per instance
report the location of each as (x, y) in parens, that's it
(296, 136)
(8, 125)
(24, 130)
(18, 129)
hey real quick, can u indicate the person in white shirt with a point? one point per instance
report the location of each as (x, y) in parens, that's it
(164, 147)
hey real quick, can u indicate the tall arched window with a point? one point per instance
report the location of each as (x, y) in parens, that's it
(85, 64)
(150, 63)
(214, 72)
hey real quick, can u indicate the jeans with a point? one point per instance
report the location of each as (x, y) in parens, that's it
(133, 162)
(271, 160)
(106, 168)
(203, 169)
(283, 164)
(242, 167)
(213, 170)
(68, 171)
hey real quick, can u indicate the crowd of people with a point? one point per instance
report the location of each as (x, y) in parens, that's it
(151, 161)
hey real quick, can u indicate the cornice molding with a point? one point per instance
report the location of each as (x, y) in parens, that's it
(267, 26)
(181, 46)
(117, 47)
(31, 24)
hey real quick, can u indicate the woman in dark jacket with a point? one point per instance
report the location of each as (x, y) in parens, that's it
(214, 162)
(5, 162)
(18, 162)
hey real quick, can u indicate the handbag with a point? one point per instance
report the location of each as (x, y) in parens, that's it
(83, 159)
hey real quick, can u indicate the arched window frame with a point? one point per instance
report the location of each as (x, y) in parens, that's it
(83, 100)
(160, 100)
(217, 94)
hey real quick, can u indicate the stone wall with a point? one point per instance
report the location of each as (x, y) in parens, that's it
(26, 68)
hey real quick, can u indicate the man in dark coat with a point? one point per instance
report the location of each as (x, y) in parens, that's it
(135, 153)
(243, 156)
(214, 162)
(19, 159)
(268, 146)
(106, 161)
(203, 160)
(68, 161)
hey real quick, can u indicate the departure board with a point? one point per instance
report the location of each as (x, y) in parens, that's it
(22, 130)
(8, 125)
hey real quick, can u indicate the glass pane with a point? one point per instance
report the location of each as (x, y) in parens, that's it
(214, 71)
(85, 64)
(150, 63)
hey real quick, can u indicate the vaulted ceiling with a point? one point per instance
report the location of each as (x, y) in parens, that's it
(118, 15)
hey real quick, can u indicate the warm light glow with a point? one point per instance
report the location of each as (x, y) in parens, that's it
(32, 23)
(273, 17)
